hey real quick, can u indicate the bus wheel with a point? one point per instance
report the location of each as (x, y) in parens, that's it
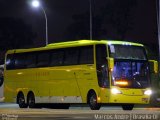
(128, 106)
(92, 101)
(21, 101)
(31, 100)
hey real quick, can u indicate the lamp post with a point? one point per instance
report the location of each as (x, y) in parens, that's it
(36, 4)
(158, 25)
(90, 10)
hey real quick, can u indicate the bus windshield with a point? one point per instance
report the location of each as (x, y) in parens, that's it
(130, 66)
(127, 52)
(131, 74)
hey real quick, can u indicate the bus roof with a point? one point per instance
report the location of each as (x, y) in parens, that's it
(73, 44)
(83, 42)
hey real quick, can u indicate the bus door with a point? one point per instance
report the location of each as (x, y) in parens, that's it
(102, 70)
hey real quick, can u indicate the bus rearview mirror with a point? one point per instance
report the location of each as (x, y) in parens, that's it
(153, 66)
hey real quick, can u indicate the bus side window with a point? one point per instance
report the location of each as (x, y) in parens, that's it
(102, 66)
(56, 57)
(31, 60)
(43, 59)
(86, 55)
(10, 62)
(20, 61)
(71, 56)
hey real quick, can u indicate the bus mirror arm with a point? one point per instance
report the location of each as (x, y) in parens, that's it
(111, 63)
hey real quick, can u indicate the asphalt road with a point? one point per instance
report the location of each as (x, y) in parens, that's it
(12, 112)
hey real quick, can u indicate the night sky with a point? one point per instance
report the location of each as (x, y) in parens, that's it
(60, 16)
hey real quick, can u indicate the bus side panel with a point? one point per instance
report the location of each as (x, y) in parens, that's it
(63, 83)
(9, 87)
(53, 84)
(87, 80)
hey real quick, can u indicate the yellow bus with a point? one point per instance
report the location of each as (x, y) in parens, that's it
(84, 71)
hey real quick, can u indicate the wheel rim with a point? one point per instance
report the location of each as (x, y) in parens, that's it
(93, 100)
(21, 101)
(31, 101)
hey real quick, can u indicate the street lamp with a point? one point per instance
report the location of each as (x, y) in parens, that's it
(36, 4)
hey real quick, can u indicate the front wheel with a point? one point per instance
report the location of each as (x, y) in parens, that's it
(127, 106)
(92, 101)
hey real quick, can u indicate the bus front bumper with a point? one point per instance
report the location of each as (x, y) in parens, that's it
(124, 95)
(120, 98)
(136, 96)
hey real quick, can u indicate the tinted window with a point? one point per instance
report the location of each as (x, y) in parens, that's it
(43, 59)
(71, 56)
(101, 54)
(57, 57)
(10, 62)
(86, 55)
(20, 61)
(127, 52)
(31, 60)
(102, 66)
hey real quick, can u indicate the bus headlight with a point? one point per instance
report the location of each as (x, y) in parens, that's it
(148, 92)
(115, 91)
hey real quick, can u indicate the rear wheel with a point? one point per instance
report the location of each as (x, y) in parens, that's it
(127, 106)
(92, 101)
(31, 100)
(21, 101)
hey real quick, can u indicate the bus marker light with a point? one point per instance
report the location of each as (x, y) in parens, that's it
(110, 69)
(99, 98)
(121, 83)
